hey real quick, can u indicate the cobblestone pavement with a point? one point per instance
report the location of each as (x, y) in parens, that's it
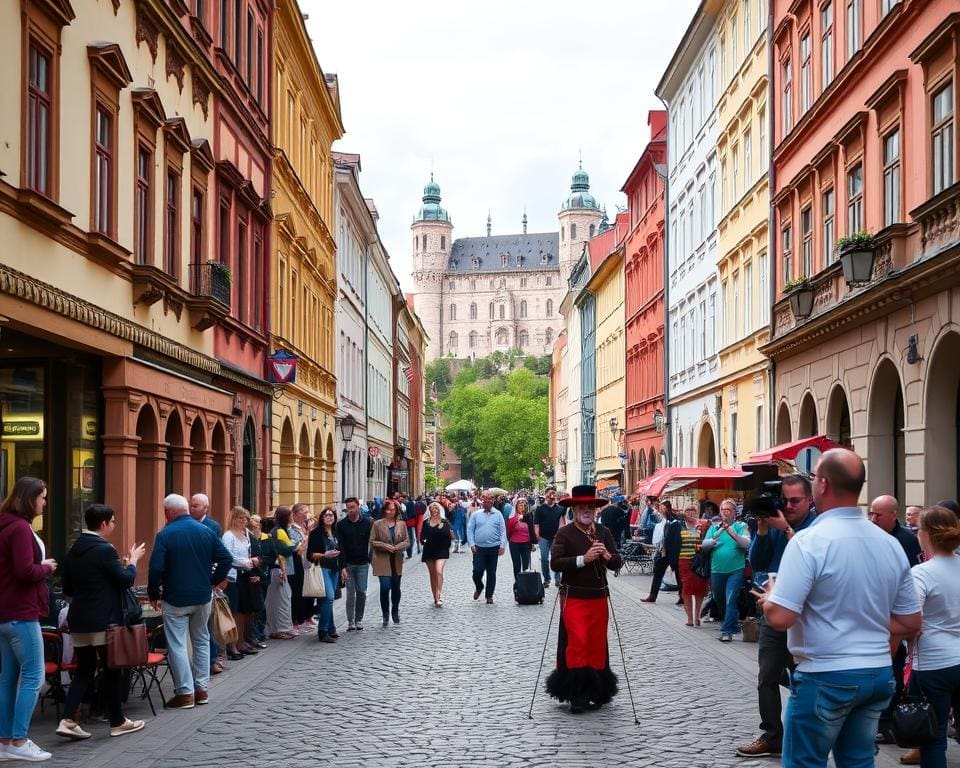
(451, 687)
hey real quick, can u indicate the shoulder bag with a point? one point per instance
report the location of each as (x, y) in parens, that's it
(224, 626)
(914, 721)
(127, 643)
(313, 583)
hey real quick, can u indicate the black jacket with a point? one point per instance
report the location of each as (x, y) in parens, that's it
(671, 540)
(318, 543)
(95, 578)
(355, 540)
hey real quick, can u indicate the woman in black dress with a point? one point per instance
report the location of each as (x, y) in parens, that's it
(436, 536)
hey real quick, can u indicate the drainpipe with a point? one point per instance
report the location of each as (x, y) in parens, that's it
(366, 365)
(771, 229)
(667, 421)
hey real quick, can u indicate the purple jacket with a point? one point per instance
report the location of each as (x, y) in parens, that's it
(23, 580)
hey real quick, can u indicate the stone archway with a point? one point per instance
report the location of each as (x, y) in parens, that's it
(784, 431)
(839, 426)
(221, 495)
(317, 489)
(942, 421)
(329, 492)
(151, 462)
(808, 423)
(305, 480)
(706, 446)
(248, 467)
(886, 467)
(652, 461)
(288, 465)
(201, 459)
(177, 463)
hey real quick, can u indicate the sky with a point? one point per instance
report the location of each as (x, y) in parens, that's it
(500, 99)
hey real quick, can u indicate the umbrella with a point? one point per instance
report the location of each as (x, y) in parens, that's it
(460, 485)
(496, 491)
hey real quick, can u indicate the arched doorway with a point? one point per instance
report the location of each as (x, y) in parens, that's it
(248, 482)
(641, 468)
(886, 468)
(200, 459)
(220, 496)
(329, 492)
(150, 476)
(317, 468)
(652, 462)
(304, 491)
(942, 421)
(838, 417)
(784, 430)
(174, 480)
(807, 424)
(288, 469)
(706, 447)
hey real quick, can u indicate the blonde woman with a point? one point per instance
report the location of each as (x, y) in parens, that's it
(729, 541)
(237, 541)
(521, 536)
(436, 535)
(388, 537)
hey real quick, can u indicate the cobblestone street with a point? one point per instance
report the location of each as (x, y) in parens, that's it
(451, 687)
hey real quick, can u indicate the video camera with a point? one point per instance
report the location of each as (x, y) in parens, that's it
(768, 502)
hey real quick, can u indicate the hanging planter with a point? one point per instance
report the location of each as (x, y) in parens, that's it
(800, 294)
(857, 255)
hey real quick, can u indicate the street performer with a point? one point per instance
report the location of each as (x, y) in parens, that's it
(583, 553)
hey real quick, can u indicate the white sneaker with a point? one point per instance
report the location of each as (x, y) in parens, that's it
(27, 751)
(71, 730)
(128, 726)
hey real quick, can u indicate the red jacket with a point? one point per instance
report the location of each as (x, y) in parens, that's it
(23, 580)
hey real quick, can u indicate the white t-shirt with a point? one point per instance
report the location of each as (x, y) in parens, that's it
(937, 582)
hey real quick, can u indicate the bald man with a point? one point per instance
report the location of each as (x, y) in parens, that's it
(885, 513)
(200, 511)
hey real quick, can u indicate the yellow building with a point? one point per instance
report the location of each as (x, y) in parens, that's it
(306, 123)
(607, 285)
(743, 258)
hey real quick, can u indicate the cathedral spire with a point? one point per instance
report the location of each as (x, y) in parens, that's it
(489, 223)
(524, 219)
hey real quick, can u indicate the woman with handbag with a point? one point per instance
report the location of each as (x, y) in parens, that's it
(693, 586)
(727, 542)
(237, 541)
(24, 569)
(99, 583)
(388, 537)
(436, 535)
(279, 617)
(936, 660)
(521, 536)
(323, 550)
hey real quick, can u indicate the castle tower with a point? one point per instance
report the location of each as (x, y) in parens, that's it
(579, 218)
(432, 238)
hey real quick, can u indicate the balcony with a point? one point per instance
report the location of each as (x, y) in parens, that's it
(209, 299)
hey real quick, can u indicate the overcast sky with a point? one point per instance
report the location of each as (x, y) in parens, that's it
(498, 97)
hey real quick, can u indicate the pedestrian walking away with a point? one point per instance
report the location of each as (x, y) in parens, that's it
(547, 520)
(353, 532)
(583, 553)
(487, 537)
(435, 536)
(389, 541)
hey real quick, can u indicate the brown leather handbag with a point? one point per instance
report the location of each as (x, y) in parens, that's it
(127, 643)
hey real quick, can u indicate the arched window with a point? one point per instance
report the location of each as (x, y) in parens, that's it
(548, 336)
(503, 282)
(491, 310)
(473, 310)
(593, 228)
(573, 232)
(452, 344)
(501, 337)
(424, 242)
(523, 309)
(524, 339)
(549, 307)
(473, 339)
(443, 242)
(502, 311)
(503, 261)
(453, 312)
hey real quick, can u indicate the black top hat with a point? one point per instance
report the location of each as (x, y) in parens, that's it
(583, 494)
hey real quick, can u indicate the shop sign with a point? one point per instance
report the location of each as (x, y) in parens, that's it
(89, 427)
(22, 429)
(282, 367)
(374, 451)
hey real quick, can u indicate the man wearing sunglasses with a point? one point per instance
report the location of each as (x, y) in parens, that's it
(773, 657)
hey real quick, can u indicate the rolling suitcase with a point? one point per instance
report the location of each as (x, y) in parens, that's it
(529, 588)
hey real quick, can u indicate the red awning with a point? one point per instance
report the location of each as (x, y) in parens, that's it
(673, 479)
(789, 451)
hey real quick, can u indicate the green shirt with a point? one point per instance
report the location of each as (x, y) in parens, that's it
(727, 556)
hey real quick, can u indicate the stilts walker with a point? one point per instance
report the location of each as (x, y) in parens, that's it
(583, 553)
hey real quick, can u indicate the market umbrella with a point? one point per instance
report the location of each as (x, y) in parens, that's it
(496, 491)
(461, 485)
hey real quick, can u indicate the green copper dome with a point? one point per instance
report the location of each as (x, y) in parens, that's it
(432, 210)
(580, 196)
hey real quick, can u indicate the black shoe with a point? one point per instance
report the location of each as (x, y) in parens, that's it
(648, 600)
(578, 706)
(235, 656)
(680, 601)
(477, 593)
(386, 621)
(334, 635)
(396, 617)
(327, 639)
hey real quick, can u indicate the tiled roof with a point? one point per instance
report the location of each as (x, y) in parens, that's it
(527, 253)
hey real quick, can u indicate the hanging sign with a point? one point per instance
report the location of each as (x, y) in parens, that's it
(282, 367)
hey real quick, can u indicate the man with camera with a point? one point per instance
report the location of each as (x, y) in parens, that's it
(777, 522)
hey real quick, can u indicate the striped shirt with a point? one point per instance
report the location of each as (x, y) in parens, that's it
(689, 542)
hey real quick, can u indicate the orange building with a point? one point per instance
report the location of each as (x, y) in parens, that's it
(644, 307)
(865, 338)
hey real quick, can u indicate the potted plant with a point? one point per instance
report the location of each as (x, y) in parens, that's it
(857, 254)
(220, 280)
(800, 293)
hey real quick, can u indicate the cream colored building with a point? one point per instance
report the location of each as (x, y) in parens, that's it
(743, 258)
(306, 123)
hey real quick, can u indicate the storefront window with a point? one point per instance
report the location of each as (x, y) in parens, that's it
(22, 414)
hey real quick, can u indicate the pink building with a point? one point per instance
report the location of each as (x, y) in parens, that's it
(864, 139)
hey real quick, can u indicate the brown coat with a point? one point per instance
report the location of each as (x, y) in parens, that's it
(380, 539)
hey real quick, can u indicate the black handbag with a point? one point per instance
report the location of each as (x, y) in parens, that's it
(700, 564)
(914, 722)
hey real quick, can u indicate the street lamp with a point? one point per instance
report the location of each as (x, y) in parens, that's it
(347, 425)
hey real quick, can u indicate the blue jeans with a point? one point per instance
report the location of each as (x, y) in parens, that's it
(356, 592)
(725, 588)
(389, 594)
(545, 545)
(21, 674)
(460, 527)
(835, 711)
(940, 687)
(325, 620)
(178, 622)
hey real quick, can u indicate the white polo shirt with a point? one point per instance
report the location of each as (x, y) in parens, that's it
(845, 576)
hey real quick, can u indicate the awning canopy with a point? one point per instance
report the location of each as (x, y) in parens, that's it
(606, 474)
(460, 485)
(673, 479)
(789, 451)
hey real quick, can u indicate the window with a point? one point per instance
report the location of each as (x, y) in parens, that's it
(748, 298)
(735, 173)
(523, 282)
(734, 438)
(473, 310)
(806, 74)
(711, 79)
(452, 341)
(523, 309)
(891, 178)
(171, 223)
(503, 282)
(806, 232)
(549, 281)
(503, 261)
(224, 24)
(39, 119)
(223, 244)
(829, 227)
(259, 73)
(826, 45)
(593, 229)
(473, 285)
(734, 33)
(786, 77)
(786, 243)
(747, 32)
(144, 238)
(242, 280)
(196, 227)
(249, 61)
(103, 171)
(424, 242)
(748, 160)
(501, 311)
(886, 6)
(237, 31)
(855, 199)
(501, 337)
(452, 313)
(764, 298)
(854, 19)
(573, 231)
(548, 336)
(524, 340)
(942, 138)
(491, 310)
(762, 124)
(443, 242)
(735, 330)
(549, 307)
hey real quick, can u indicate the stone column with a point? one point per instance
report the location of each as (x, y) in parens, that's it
(201, 471)
(181, 472)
